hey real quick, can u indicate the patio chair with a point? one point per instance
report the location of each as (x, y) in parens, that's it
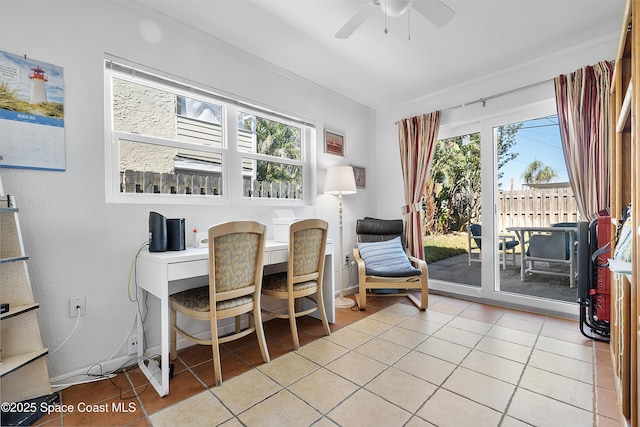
(551, 246)
(383, 264)
(506, 246)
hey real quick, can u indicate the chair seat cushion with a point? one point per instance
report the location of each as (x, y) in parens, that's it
(197, 299)
(278, 283)
(386, 258)
(510, 244)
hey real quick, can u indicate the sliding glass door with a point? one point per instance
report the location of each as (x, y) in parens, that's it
(514, 177)
(534, 197)
(453, 213)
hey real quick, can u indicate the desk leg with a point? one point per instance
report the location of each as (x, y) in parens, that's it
(328, 292)
(164, 337)
(328, 289)
(158, 376)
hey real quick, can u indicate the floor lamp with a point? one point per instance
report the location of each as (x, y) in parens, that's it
(340, 180)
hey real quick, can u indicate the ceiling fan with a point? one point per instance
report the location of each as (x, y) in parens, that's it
(435, 11)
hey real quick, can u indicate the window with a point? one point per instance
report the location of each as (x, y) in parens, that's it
(271, 157)
(168, 142)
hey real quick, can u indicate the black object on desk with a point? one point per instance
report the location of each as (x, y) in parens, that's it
(157, 232)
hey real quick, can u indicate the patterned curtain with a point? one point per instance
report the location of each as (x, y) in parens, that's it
(582, 100)
(417, 137)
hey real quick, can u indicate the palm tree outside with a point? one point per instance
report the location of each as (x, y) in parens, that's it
(538, 173)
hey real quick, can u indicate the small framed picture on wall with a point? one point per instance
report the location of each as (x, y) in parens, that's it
(360, 176)
(333, 142)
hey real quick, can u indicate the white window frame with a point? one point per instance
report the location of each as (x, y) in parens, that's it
(304, 138)
(231, 168)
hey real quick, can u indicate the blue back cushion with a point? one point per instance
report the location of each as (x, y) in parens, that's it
(567, 239)
(476, 231)
(386, 258)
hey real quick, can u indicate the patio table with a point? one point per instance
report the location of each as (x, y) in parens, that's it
(524, 235)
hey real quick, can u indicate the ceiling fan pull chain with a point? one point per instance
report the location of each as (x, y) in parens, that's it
(385, 18)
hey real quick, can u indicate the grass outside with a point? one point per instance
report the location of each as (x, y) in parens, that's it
(441, 246)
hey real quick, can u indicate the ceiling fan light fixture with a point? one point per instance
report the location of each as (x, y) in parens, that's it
(394, 8)
(435, 11)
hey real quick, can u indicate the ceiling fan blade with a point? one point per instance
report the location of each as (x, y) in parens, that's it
(355, 21)
(434, 10)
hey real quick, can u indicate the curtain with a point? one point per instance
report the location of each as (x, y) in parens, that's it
(417, 138)
(582, 101)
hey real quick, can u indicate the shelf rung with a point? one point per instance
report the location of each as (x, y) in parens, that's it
(11, 363)
(625, 109)
(13, 259)
(14, 311)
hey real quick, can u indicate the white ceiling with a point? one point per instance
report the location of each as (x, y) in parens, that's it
(381, 70)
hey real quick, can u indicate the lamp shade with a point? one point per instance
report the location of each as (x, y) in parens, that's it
(340, 180)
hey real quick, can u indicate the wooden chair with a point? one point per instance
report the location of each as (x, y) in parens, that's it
(303, 278)
(383, 264)
(236, 250)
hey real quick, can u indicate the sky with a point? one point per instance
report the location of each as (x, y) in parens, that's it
(538, 139)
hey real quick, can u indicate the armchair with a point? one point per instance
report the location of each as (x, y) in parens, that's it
(384, 264)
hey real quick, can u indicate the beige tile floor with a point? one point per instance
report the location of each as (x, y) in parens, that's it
(457, 364)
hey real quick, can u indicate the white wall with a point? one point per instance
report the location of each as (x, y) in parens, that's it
(80, 245)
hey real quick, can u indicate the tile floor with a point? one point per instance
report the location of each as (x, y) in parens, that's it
(457, 364)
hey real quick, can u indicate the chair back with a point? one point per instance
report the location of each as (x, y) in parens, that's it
(378, 230)
(236, 250)
(476, 232)
(567, 238)
(307, 243)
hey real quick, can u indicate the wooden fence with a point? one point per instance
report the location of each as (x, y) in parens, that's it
(536, 207)
(194, 184)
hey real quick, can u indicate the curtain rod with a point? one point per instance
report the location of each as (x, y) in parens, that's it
(498, 95)
(483, 100)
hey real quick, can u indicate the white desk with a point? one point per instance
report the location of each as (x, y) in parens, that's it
(157, 271)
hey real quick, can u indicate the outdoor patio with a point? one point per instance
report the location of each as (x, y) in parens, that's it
(456, 269)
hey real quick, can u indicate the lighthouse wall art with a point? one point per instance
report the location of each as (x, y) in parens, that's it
(31, 113)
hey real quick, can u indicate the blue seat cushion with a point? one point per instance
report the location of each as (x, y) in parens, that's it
(510, 244)
(386, 258)
(476, 232)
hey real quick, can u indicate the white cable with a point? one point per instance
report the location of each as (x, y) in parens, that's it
(72, 331)
(92, 380)
(135, 317)
(131, 268)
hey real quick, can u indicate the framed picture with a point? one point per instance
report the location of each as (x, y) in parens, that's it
(360, 176)
(333, 142)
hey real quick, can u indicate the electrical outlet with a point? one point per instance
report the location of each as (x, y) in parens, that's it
(77, 304)
(347, 258)
(132, 345)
